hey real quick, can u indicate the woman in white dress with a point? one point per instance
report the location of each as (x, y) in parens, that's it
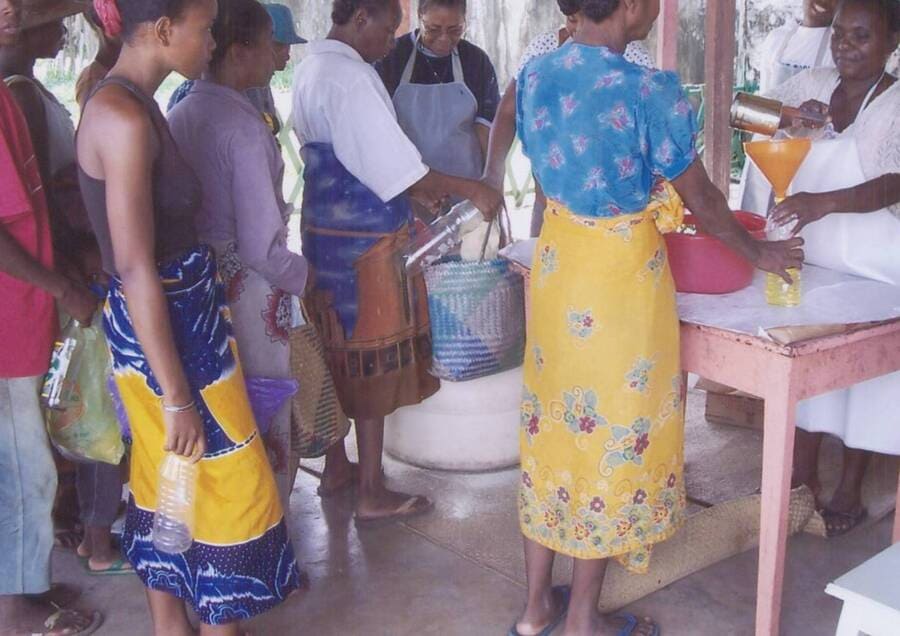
(848, 211)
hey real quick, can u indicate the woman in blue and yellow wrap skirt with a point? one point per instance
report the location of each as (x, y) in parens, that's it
(612, 145)
(174, 356)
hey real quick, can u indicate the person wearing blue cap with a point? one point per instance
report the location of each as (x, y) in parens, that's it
(284, 36)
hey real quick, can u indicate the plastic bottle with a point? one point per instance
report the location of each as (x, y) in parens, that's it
(440, 238)
(779, 292)
(173, 523)
(60, 390)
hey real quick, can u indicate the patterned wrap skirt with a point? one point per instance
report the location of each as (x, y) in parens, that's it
(372, 317)
(602, 422)
(241, 562)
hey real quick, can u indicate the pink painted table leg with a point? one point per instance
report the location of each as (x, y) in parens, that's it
(778, 461)
(784, 376)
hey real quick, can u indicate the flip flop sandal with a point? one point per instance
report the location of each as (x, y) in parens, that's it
(54, 619)
(564, 592)
(412, 507)
(840, 523)
(631, 624)
(118, 567)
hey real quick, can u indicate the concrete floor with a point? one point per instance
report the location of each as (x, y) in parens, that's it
(459, 571)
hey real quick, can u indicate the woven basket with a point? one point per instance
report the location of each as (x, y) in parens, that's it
(477, 318)
(317, 420)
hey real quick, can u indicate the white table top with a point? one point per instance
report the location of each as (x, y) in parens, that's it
(829, 298)
(876, 579)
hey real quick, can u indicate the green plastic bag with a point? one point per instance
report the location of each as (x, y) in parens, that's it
(86, 428)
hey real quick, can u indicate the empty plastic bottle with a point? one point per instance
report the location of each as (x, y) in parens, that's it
(440, 238)
(173, 523)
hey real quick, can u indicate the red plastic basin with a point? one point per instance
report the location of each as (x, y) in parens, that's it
(702, 264)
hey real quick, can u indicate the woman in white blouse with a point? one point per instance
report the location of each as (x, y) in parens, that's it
(847, 208)
(361, 171)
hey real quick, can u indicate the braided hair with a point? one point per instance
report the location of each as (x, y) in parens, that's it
(343, 10)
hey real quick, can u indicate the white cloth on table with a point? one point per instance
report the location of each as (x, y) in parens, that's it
(339, 99)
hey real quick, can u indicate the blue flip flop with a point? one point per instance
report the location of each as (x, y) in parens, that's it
(631, 623)
(564, 592)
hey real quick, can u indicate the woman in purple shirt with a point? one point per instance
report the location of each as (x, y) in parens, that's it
(243, 216)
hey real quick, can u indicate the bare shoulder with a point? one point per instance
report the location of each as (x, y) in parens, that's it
(115, 130)
(116, 115)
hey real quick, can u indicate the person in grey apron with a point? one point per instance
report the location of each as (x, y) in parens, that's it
(846, 210)
(444, 90)
(440, 118)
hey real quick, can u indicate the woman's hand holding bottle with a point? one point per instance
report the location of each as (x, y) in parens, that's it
(184, 430)
(777, 257)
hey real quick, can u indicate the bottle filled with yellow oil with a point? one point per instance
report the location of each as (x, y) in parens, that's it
(778, 291)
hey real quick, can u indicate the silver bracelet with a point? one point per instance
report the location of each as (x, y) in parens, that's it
(179, 409)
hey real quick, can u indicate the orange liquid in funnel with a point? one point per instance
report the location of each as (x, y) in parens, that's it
(779, 161)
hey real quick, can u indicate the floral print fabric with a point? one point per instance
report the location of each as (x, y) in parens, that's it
(602, 428)
(601, 131)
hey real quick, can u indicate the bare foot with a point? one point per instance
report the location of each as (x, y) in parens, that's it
(385, 505)
(538, 618)
(68, 538)
(336, 479)
(84, 549)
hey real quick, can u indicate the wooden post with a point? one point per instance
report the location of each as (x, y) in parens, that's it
(667, 36)
(720, 52)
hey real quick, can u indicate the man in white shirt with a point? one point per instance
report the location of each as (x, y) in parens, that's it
(360, 172)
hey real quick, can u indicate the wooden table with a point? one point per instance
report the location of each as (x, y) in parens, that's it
(783, 376)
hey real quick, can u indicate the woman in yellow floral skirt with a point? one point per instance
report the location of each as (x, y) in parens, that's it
(613, 146)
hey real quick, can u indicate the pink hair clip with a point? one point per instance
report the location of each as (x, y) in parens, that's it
(110, 18)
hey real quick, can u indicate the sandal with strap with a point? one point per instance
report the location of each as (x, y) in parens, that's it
(631, 624)
(55, 624)
(413, 507)
(839, 523)
(118, 567)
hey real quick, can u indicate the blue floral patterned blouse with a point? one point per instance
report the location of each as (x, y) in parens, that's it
(599, 130)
